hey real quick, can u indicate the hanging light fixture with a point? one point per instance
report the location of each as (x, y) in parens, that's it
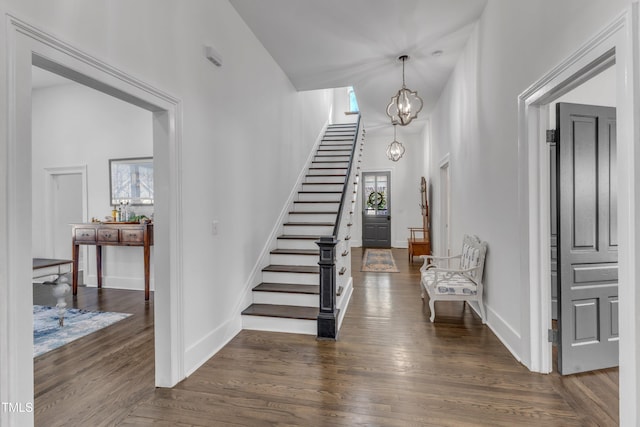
(406, 104)
(395, 150)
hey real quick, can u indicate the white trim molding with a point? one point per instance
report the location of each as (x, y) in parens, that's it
(28, 46)
(617, 43)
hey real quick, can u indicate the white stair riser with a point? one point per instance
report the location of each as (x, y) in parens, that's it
(313, 207)
(325, 158)
(312, 217)
(305, 230)
(319, 197)
(334, 151)
(277, 324)
(283, 298)
(292, 259)
(293, 278)
(297, 244)
(338, 171)
(323, 187)
(325, 178)
(335, 143)
(321, 164)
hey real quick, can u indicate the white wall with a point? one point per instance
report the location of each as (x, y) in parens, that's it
(405, 180)
(599, 90)
(245, 135)
(73, 125)
(476, 121)
(341, 105)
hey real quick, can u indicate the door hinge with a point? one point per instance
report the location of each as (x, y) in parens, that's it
(552, 136)
(553, 336)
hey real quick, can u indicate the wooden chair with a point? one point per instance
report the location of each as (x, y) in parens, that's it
(419, 239)
(455, 284)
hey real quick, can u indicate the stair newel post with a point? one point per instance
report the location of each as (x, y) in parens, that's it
(327, 317)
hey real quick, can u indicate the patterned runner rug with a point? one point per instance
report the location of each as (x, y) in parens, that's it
(379, 260)
(47, 335)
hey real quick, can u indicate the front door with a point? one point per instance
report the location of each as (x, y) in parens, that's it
(376, 213)
(587, 238)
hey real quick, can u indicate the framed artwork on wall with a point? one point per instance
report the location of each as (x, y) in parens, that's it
(131, 181)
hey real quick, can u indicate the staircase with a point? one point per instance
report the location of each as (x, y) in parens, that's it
(287, 300)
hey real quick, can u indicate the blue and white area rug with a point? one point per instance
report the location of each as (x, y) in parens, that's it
(47, 335)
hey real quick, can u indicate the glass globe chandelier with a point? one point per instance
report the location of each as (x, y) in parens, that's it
(395, 150)
(406, 104)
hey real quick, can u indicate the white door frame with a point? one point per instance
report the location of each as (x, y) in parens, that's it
(28, 46)
(445, 200)
(50, 173)
(617, 42)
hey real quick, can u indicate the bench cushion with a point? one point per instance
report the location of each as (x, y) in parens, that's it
(454, 285)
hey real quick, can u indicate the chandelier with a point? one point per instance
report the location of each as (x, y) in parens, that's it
(395, 150)
(406, 104)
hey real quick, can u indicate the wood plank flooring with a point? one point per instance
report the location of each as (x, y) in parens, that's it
(390, 367)
(97, 380)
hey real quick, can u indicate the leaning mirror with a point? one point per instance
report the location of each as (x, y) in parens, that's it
(131, 180)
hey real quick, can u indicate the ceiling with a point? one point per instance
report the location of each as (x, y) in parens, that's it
(337, 43)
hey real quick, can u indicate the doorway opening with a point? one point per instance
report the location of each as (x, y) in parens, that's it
(29, 46)
(376, 210)
(445, 207)
(63, 200)
(616, 43)
(583, 218)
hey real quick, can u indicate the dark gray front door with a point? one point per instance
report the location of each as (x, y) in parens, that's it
(587, 238)
(376, 213)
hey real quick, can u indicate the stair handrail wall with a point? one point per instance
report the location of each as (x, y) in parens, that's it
(328, 324)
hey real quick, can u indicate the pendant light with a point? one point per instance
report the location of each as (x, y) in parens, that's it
(395, 150)
(406, 104)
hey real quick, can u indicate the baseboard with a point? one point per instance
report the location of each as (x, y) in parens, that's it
(115, 282)
(197, 355)
(505, 333)
(346, 300)
(401, 244)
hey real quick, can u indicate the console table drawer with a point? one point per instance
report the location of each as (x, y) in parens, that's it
(107, 235)
(85, 234)
(132, 236)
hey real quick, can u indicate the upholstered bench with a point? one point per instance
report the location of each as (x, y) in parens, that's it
(455, 284)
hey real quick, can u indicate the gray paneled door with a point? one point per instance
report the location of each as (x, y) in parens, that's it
(587, 238)
(376, 211)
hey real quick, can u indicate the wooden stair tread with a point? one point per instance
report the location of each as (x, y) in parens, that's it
(323, 183)
(316, 201)
(314, 252)
(319, 192)
(283, 311)
(297, 237)
(307, 269)
(288, 288)
(314, 212)
(311, 224)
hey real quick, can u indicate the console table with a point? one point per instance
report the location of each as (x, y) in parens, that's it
(111, 234)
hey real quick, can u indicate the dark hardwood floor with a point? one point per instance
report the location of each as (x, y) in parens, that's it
(98, 379)
(390, 367)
